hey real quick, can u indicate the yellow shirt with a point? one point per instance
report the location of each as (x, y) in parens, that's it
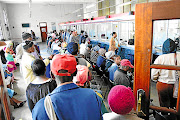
(27, 72)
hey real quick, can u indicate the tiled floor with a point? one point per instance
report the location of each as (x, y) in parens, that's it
(23, 113)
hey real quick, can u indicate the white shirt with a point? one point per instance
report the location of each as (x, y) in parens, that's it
(162, 75)
(82, 48)
(19, 52)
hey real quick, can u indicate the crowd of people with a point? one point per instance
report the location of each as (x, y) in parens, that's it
(69, 84)
(67, 93)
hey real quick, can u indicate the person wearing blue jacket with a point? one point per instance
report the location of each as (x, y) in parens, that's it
(67, 101)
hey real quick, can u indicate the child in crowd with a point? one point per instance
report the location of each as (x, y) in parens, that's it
(8, 78)
(9, 54)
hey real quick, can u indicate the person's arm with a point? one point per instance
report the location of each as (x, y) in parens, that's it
(2, 43)
(155, 72)
(30, 103)
(19, 52)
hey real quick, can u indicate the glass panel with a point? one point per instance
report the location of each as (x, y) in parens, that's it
(124, 31)
(163, 80)
(42, 24)
(108, 31)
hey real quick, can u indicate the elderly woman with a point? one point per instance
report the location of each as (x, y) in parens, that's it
(166, 78)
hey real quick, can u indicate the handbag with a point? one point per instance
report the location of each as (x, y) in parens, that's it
(176, 84)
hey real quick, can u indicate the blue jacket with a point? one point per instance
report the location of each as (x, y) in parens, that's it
(100, 61)
(112, 70)
(71, 102)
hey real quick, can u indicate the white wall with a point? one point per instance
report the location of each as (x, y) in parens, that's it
(2, 23)
(20, 13)
(90, 12)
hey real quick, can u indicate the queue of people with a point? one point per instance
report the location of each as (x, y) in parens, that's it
(67, 94)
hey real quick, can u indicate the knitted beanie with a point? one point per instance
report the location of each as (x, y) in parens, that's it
(121, 99)
(26, 36)
(72, 48)
(169, 46)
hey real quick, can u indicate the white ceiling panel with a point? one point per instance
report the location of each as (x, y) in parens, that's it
(49, 1)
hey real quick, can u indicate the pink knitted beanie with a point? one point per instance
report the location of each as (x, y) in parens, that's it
(121, 99)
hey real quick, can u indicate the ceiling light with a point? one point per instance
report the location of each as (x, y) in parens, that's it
(79, 15)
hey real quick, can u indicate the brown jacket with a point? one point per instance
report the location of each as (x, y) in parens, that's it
(112, 45)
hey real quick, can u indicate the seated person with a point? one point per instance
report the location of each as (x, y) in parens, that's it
(114, 67)
(39, 87)
(121, 102)
(8, 78)
(94, 54)
(120, 76)
(109, 60)
(67, 101)
(101, 60)
(82, 79)
(72, 48)
(9, 54)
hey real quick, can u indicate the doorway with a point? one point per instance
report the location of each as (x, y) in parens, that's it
(43, 30)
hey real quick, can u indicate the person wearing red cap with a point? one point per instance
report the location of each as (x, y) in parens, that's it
(67, 101)
(120, 76)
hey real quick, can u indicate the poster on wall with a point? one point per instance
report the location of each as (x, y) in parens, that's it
(53, 24)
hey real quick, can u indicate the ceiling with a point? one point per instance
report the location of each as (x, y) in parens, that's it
(49, 1)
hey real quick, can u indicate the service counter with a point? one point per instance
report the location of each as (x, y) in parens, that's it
(126, 51)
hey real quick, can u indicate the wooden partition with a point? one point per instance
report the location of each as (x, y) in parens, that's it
(4, 97)
(145, 14)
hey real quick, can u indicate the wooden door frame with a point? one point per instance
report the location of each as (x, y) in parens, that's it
(41, 31)
(4, 95)
(145, 14)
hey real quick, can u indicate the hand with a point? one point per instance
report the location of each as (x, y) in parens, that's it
(51, 57)
(40, 57)
(9, 65)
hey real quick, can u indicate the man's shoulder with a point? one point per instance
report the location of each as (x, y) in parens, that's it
(38, 112)
(40, 103)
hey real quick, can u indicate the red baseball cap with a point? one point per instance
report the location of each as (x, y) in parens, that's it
(126, 62)
(63, 62)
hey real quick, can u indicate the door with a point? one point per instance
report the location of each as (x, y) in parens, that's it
(146, 13)
(43, 30)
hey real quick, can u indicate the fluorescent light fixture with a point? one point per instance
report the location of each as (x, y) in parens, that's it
(90, 6)
(79, 15)
(112, 12)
